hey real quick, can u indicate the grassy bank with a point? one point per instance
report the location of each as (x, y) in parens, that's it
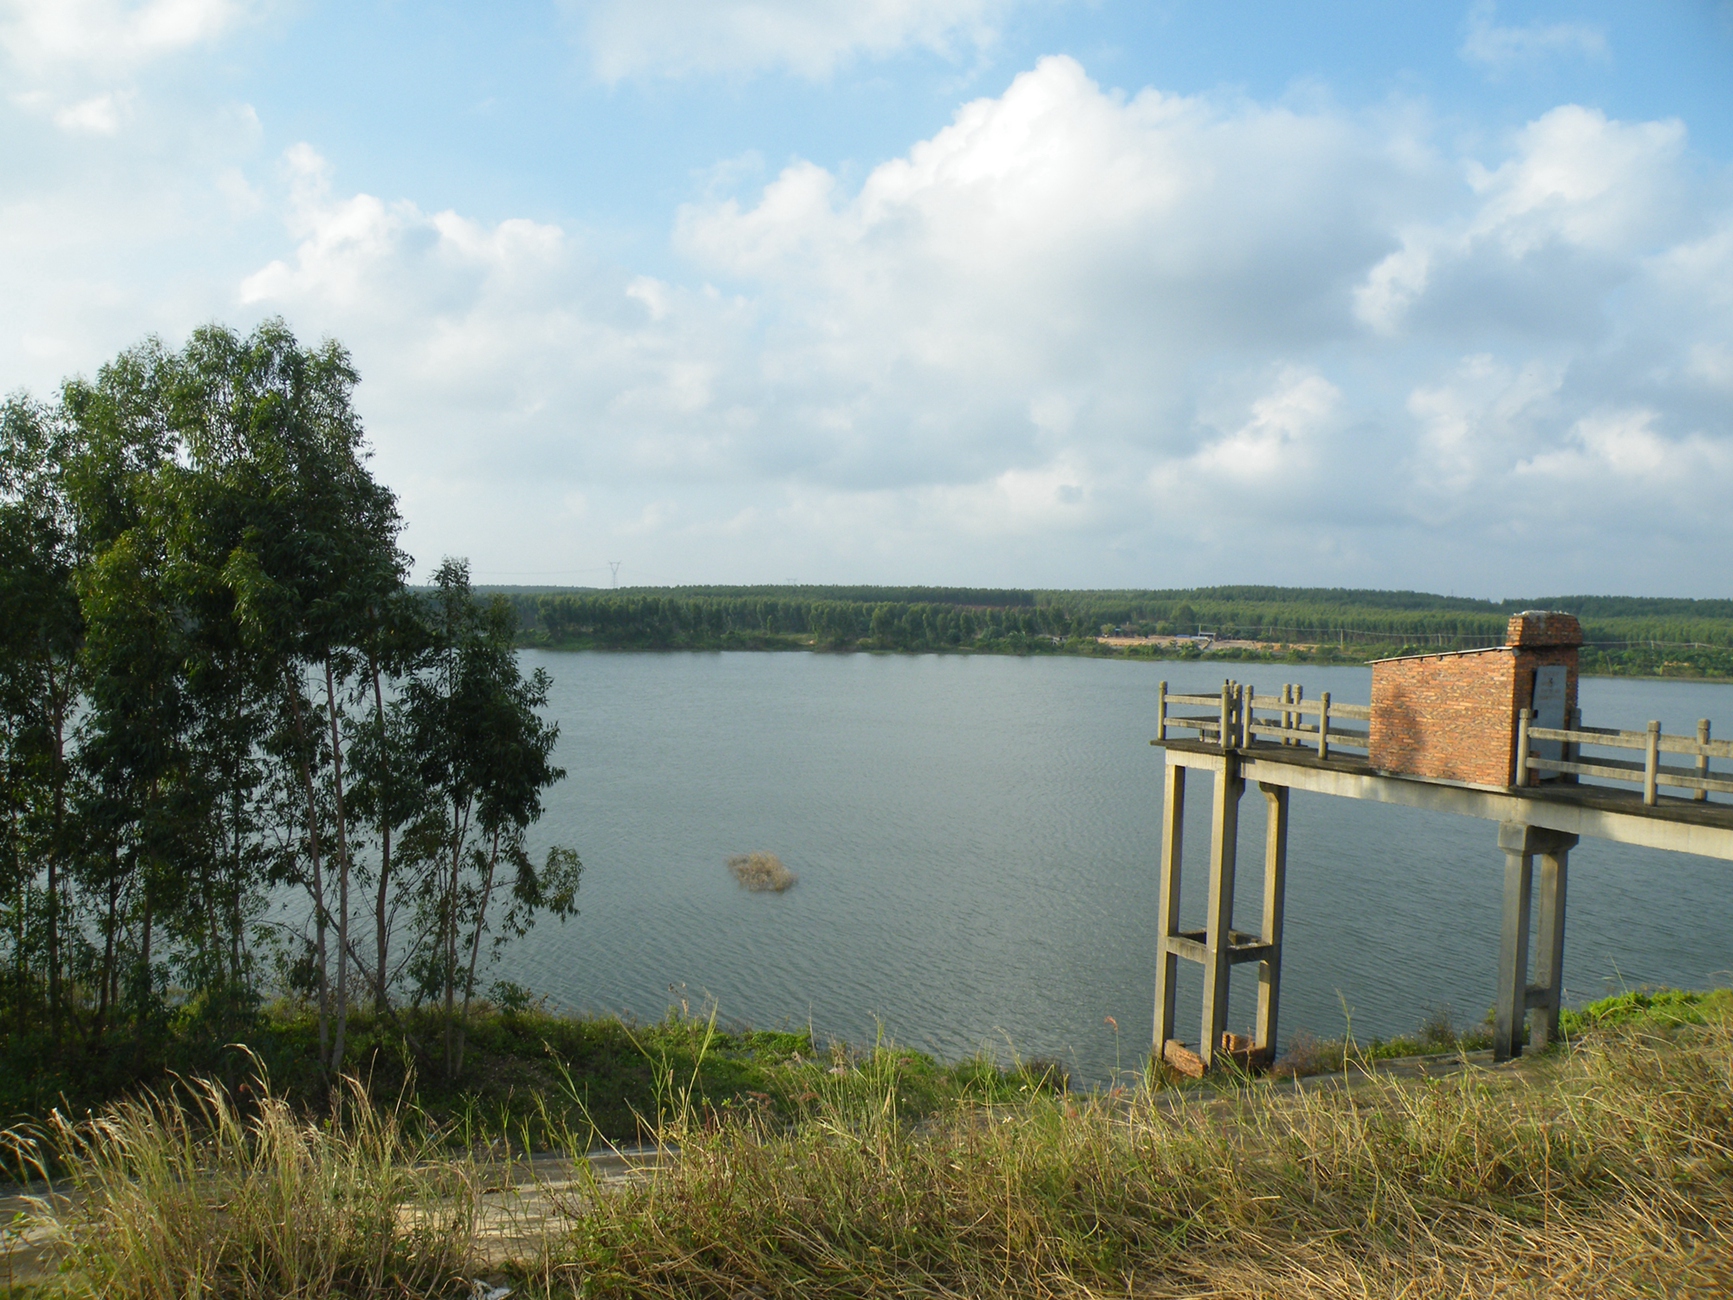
(1604, 1168)
(533, 1079)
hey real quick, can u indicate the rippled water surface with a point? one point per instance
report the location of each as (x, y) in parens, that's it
(976, 845)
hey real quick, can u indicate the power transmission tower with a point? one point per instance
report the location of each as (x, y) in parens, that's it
(615, 566)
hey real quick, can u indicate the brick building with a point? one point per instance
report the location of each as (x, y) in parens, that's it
(1453, 716)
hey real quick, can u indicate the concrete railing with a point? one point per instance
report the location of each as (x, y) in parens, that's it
(1288, 726)
(1649, 773)
(1233, 719)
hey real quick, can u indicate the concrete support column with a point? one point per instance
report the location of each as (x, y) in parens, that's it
(1275, 893)
(1223, 854)
(1550, 937)
(1515, 994)
(1172, 855)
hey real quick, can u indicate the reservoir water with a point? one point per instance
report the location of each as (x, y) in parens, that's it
(976, 844)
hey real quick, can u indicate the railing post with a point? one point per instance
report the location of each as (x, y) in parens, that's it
(1652, 764)
(1248, 701)
(1287, 714)
(1324, 725)
(1161, 711)
(1299, 713)
(1573, 749)
(1522, 716)
(1227, 728)
(1703, 756)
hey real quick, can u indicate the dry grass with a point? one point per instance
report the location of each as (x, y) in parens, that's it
(1605, 1171)
(1609, 1174)
(166, 1198)
(761, 872)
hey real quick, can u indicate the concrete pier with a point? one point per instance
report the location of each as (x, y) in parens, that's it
(1534, 821)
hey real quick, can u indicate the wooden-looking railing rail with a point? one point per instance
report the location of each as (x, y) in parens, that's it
(1234, 720)
(1649, 773)
(1239, 716)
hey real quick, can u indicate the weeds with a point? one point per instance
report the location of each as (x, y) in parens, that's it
(1612, 1174)
(200, 1193)
(1604, 1169)
(761, 872)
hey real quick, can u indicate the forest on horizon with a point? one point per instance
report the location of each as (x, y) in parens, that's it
(1626, 635)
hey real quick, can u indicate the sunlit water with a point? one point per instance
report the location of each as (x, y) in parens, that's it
(976, 841)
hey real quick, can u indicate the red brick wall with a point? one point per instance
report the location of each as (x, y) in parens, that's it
(1445, 716)
(1453, 716)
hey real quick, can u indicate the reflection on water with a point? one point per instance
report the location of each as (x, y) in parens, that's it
(975, 842)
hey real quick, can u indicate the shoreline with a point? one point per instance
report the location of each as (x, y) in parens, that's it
(774, 644)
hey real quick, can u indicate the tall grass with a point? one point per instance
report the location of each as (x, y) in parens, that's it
(1609, 1173)
(1606, 1170)
(197, 1194)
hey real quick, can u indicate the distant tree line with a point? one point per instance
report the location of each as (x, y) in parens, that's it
(217, 695)
(644, 620)
(1626, 633)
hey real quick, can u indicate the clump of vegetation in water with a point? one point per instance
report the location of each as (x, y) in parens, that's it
(761, 872)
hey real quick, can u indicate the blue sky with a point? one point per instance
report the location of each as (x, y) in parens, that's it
(1000, 291)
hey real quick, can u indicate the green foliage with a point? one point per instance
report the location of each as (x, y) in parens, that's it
(1627, 635)
(1658, 1008)
(215, 684)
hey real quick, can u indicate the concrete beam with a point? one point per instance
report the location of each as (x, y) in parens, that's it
(1543, 811)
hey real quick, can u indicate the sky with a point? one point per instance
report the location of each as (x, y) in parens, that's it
(1068, 293)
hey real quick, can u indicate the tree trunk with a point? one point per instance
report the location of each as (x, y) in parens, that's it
(475, 948)
(20, 929)
(112, 920)
(306, 766)
(144, 957)
(381, 931)
(55, 848)
(342, 875)
(459, 833)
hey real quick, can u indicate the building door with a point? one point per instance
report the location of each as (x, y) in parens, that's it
(1549, 711)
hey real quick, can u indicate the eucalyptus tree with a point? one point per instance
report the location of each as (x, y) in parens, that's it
(41, 631)
(485, 758)
(133, 729)
(214, 682)
(386, 792)
(314, 557)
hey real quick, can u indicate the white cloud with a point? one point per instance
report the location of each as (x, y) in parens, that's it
(78, 62)
(98, 115)
(809, 38)
(1476, 425)
(1618, 466)
(1056, 239)
(1501, 48)
(1277, 447)
(1074, 336)
(1579, 189)
(108, 36)
(1072, 323)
